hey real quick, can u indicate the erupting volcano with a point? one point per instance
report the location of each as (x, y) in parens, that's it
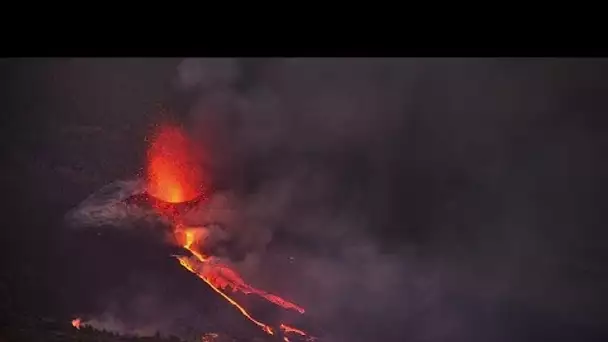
(173, 170)
(174, 177)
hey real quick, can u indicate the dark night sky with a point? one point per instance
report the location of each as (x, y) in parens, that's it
(473, 186)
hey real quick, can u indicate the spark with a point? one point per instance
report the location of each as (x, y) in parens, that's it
(173, 172)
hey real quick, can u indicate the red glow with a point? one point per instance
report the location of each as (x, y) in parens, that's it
(174, 176)
(286, 328)
(220, 274)
(174, 172)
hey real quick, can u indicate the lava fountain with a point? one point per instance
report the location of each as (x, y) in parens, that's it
(174, 176)
(173, 170)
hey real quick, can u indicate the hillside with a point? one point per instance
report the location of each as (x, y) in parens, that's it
(38, 329)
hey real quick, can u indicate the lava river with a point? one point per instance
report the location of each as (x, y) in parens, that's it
(174, 176)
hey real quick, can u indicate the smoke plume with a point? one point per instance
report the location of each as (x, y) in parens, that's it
(393, 198)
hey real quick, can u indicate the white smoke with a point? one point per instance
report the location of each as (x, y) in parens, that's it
(107, 207)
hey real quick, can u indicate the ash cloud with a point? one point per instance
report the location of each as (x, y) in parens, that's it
(417, 199)
(398, 193)
(308, 141)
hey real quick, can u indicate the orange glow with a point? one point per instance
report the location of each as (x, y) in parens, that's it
(190, 238)
(223, 276)
(76, 323)
(174, 176)
(219, 277)
(173, 171)
(288, 329)
(291, 330)
(189, 265)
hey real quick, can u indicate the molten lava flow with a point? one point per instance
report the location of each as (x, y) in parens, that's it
(222, 276)
(291, 330)
(219, 277)
(189, 265)
(189, 240)
(174, 177)
(76, 323)
(288, 329)
(173, 170)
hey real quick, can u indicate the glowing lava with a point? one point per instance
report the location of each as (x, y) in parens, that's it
(189, 265)
(286, 328)
(174, 176)
(76, 323)
(173, 172)
(220, 274)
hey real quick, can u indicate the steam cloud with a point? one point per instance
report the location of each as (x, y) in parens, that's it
(322, 162)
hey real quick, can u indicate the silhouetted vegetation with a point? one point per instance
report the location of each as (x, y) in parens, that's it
(37, 329)
(28, 328)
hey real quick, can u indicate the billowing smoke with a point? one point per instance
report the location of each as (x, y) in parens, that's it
(307, 147)
(392, 198)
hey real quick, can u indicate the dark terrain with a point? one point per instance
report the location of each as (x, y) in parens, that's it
(477, 188)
